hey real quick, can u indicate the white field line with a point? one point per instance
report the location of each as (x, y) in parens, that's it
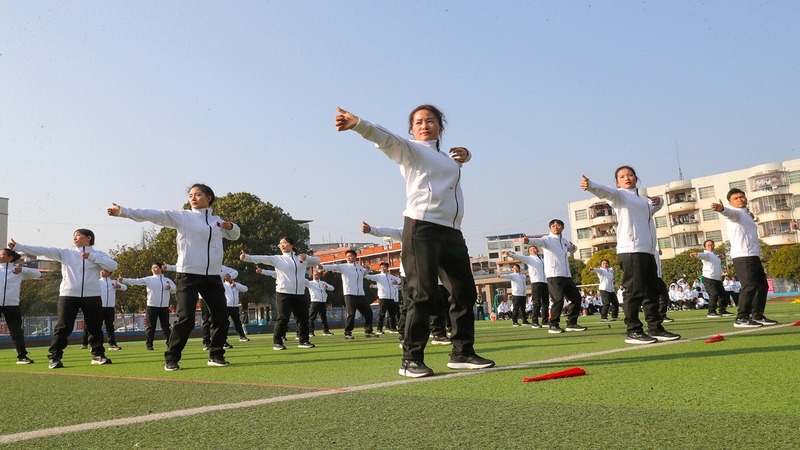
(55, 431)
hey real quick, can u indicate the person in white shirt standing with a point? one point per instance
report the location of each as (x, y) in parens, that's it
(159, 289)
(200, 253)
(318, 291)
(11, 276)
(607, 294)
(355, 298)
(387, 295)
(636, 254)
(290, 288)
(433, 243)
(108, 297)
(518, 289)
(712, 274)
(559, 278)
(79, 290)
(232, 290)
(746, 254)
(539, 292)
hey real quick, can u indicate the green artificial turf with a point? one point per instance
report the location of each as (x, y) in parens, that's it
(738, 393)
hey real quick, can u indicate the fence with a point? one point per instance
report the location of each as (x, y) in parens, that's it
(131, 326)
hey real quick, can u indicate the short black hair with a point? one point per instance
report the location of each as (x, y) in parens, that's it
(88, 233)
(734, 191)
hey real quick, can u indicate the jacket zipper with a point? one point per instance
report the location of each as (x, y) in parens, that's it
(208, 246)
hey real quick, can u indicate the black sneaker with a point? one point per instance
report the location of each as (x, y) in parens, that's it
(745, 322)
(327, 333)
(469, 362)
(638, 337)
(764, 321)
(114, 347)
(305, 345)
(379, 332)
(667, 319)
(392, 331)
(311, 334)
(24, 360)
(349, 337)
(713, 315)
(100, 360)
(55, 363)
(604, 319)
(441, 340)
(575, 327)
(171, 366)
(370, 335)
(664, 335)
(218, 361)
(84, 347)
(535, 324)
(245, 339)
(206, 347)
(226, 345)
(555, 329)
(150, 348)
(414, 369)
(514, 324)
(278, 347)
(724, 313)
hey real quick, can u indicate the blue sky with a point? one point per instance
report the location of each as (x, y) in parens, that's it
(132, 102)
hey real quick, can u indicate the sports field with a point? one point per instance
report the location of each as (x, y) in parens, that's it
(741, 392)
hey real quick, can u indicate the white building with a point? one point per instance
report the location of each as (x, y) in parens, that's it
(686, 220)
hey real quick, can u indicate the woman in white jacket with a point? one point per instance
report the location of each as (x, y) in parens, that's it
(290, 289)
(636, 250)
(200, 252)
(79, 290)
(432, 240)
(159, 289)
(11, 276)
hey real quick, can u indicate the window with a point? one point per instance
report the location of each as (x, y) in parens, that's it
(583, 233)
(795, 201)
(664, 242)
(507, 244)
(794, 176)
(741, 184)
(715, 236)
(494, 255)
(585, 253)
(581, 214)
(661, 221)
(707, 192)
(494, 245)
(710, 214)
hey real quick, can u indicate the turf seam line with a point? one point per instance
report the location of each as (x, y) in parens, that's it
(48, 432)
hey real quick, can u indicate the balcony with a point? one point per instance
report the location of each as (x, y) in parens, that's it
(781, 238)
(774, 215)
(604, 240)
(690, 227)
(603, 220)
(689, 204)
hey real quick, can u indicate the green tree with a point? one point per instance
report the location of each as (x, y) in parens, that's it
(39, 297)
(157, 246)
(682, 266)
(587, 274)
(785, 262)
(576, 268)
